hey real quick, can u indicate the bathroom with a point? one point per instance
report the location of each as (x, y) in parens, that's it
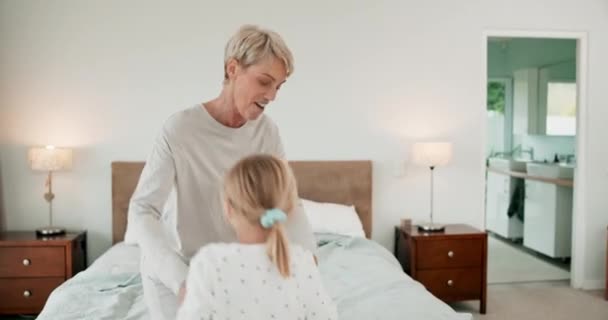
(531, 157)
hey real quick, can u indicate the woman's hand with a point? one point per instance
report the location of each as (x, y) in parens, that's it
(181, 294)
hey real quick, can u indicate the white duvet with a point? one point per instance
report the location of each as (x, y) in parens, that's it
(363, 278)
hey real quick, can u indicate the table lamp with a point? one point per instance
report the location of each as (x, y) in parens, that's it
(431, 154)
(50, 159)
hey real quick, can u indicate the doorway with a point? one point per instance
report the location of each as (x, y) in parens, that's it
(535, 106)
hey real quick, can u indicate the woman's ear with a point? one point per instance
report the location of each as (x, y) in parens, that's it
(232, 67)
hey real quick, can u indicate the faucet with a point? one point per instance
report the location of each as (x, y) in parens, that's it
(499, 154)
(519, 150)
(529, 151)
(570, 158)
(516, 150)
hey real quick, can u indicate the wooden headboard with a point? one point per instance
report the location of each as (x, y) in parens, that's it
(345, 182)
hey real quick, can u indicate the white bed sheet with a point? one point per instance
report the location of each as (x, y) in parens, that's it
(120, 258)
(108, 289)
(375, 289)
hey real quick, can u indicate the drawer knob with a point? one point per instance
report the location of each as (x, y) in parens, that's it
(26, 262)
(450, 283)
(27, 293)
(451, 254)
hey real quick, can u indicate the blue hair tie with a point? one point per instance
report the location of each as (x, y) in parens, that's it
(272, 216)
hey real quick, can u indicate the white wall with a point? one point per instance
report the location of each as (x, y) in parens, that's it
(371, 78)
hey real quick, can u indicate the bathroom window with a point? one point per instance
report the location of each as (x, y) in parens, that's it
(498, 116)
(561, 108)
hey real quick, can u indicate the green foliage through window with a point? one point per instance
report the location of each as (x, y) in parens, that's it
(496, 97)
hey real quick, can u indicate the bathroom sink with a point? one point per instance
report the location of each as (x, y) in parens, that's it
(508, 164)
(550, 170)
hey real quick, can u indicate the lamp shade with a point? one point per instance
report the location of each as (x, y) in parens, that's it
(50, 158)
(432, 154)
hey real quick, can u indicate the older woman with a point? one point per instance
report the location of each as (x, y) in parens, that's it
(177, 207)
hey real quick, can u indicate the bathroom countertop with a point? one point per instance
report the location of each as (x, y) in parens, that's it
(524, 175)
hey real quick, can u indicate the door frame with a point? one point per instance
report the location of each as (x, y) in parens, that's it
(577, 269)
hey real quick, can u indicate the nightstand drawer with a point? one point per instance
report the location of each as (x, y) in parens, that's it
(451, 264)
(32, 262)
(452, 284)
(26, 294)
(435, 254)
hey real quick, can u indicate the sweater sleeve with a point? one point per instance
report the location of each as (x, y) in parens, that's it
(145, 211)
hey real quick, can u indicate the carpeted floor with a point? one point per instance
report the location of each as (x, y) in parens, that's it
(543, 300)
(508, 264)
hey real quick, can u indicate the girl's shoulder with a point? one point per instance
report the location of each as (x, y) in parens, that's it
(222, 252)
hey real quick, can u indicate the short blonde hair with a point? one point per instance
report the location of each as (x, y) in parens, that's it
(252, 44)
(259, 183)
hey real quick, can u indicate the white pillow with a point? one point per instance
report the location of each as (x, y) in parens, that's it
(333, 218)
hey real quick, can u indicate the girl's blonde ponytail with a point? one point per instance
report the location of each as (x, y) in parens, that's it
(277, 248)
(263, 189)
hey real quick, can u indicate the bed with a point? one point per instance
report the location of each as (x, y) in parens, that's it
(363, 278)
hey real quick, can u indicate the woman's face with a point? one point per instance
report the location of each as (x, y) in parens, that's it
(256, 86)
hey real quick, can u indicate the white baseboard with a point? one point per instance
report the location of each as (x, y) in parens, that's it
(594, 284)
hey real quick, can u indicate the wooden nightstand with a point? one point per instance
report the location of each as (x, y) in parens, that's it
(452, 265)
(31, 267)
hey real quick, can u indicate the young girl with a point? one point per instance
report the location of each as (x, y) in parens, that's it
(262, 276)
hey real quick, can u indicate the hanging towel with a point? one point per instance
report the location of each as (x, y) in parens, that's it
(518, 198)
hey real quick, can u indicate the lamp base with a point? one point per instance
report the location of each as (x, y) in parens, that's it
(50, 231)
(431, 227)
